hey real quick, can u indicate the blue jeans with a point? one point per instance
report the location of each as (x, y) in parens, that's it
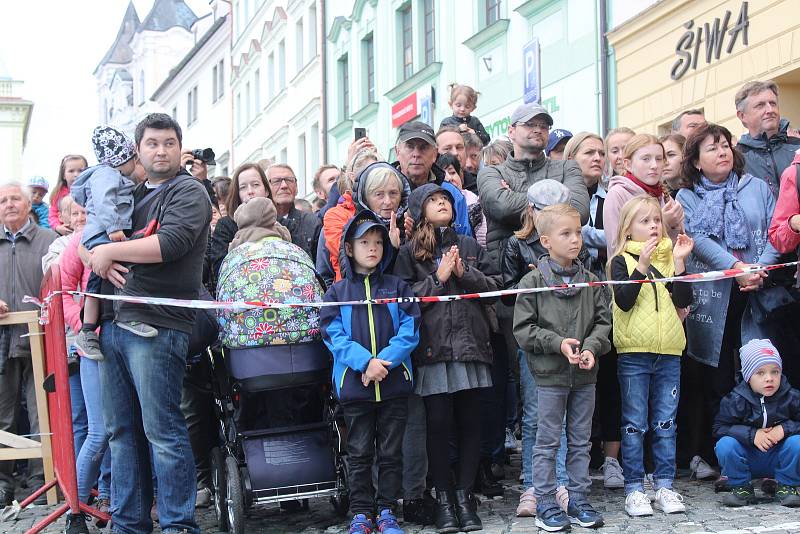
(742, 464)
(94, 458)
(654, 381)
(141, 380)
(530, 425)
(80, 424)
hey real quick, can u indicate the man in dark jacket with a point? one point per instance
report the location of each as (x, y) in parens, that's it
(302, 225)
(449, 140)
(22, 245)
(758, 428)
(769, 144)
(502, 188)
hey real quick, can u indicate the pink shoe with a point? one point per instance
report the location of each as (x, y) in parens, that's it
(562, 498)
(527, 504)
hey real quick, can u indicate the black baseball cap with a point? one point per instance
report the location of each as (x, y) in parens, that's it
(416, 130)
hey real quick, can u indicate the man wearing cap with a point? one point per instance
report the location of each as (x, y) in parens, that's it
(556, 143)
(502, 188)
(416, 159)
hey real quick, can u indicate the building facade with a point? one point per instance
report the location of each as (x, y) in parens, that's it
(685, 54)
(389, 61)
(197, 91)
(15, 117)
(276, 85)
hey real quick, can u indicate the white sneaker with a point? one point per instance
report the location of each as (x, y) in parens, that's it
(701, 470)
(612, 474)
(649, 489)
(669, 501)
(637, 504)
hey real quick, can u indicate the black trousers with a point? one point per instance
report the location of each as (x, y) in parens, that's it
(375, 428)
(461, 408)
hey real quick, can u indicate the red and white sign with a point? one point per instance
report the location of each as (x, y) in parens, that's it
(405, 110)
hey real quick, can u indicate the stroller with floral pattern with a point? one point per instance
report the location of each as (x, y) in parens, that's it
(272, 388)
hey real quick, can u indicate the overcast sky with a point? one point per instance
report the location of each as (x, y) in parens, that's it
(54, 47)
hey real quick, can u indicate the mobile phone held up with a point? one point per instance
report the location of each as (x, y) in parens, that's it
(360, 133)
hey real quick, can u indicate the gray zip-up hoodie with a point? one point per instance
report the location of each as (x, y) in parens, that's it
(108, 198)
(768, 158)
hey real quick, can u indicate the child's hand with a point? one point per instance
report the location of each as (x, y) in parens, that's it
(408, 226)
(119, 235)
(570, 349)
(763, 441)
(587, 360)
(775, 434)
(458, 265)
(446, 266)
(377, 370)
(394, 231)
(644, 257)
(683, 246)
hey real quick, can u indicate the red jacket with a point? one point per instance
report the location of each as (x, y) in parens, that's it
(781, 234)
(333, 225)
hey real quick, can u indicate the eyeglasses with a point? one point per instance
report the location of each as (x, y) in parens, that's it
(534, 125)
(276, 182)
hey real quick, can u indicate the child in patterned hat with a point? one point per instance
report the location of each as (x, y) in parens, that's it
(758, 428)
(107, 194)
(39, 187)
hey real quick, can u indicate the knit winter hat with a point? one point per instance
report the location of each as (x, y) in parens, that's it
(546, 193)
(112, 147)
(38, 181)
(755, 353)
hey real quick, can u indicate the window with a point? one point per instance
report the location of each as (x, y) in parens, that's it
(314, 147)
(281, 65)
(312, 32)
(257, 92)
(247, 114)
(246, 14)
(175, 113)
(299, 42)
(407, 42)
(141, 88)
(237, 19)
(301, 161)
(344, 87)
(492, 11)
(368, 53)
(191, 106)
(271, 77)
(282, 156)
(238, 112)
(218, 81)
(430, 33)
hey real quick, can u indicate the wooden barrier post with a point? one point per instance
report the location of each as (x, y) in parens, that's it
(19, 447)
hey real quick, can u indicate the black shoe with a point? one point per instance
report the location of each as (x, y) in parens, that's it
(6, 498)
(466, 511)
(497, 471)
(740, 496)
(76, 524)
(446, 519)
(485, 483)
(787, 496)
(420, 511)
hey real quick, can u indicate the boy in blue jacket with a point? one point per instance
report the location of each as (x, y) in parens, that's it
(371, 346)
(758, 428)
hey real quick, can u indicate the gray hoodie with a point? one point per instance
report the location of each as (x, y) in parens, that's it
(768, 158)
(108, 198)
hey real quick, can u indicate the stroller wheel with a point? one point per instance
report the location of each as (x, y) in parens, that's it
(220, 490)
(235, 499)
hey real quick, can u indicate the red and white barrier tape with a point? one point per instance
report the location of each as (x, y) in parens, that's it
(245, 305)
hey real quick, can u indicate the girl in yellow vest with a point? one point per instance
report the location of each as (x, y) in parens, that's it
(649, 338)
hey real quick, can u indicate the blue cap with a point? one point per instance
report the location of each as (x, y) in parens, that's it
(557, 136)
(364, 225)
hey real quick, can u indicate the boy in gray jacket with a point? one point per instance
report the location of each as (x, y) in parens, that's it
(107, 194)
(563, 332)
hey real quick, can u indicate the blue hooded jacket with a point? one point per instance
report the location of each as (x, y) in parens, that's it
(356, 334)
(768, 158)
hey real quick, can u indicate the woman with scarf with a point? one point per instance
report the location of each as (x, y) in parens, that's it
(728, 215)
(643, 161)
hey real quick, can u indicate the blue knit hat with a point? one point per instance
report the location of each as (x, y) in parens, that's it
(758, 352)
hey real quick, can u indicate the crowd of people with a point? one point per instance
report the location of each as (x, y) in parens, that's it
(635, 379)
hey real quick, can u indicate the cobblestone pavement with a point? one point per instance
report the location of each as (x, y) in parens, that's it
(704, 514)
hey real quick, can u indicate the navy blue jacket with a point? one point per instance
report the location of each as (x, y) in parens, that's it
(357, 333)
(742, 412)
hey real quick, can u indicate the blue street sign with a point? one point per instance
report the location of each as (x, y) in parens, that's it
(532, 91)
(425, 110)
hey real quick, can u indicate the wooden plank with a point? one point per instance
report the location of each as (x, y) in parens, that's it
(21, 454)
(17, 442)
(22, 317)
(38, 361)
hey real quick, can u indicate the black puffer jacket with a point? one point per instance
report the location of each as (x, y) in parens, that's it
(742, 412)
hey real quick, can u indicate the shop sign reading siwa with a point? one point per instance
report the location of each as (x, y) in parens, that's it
(713, 36)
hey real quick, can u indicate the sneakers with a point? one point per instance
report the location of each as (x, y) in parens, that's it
(527, 504)
(203, 498)
(669, 501)
(140, 329)
(701, 470)
(649, 490)
(787, 496)
(562, 498)
(386, 523)
(582, 514)
(102, 505)
(637, 504)
(612, 474)
(360, 525)
(88, 344)
(511, 441)
(740, 496)
(551, 518)
(76, 524)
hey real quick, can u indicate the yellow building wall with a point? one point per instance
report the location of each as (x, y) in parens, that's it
(644, 47)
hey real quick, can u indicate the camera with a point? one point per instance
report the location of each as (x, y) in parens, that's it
(206, 155)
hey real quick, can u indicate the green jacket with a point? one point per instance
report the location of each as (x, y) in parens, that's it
(542, 321)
